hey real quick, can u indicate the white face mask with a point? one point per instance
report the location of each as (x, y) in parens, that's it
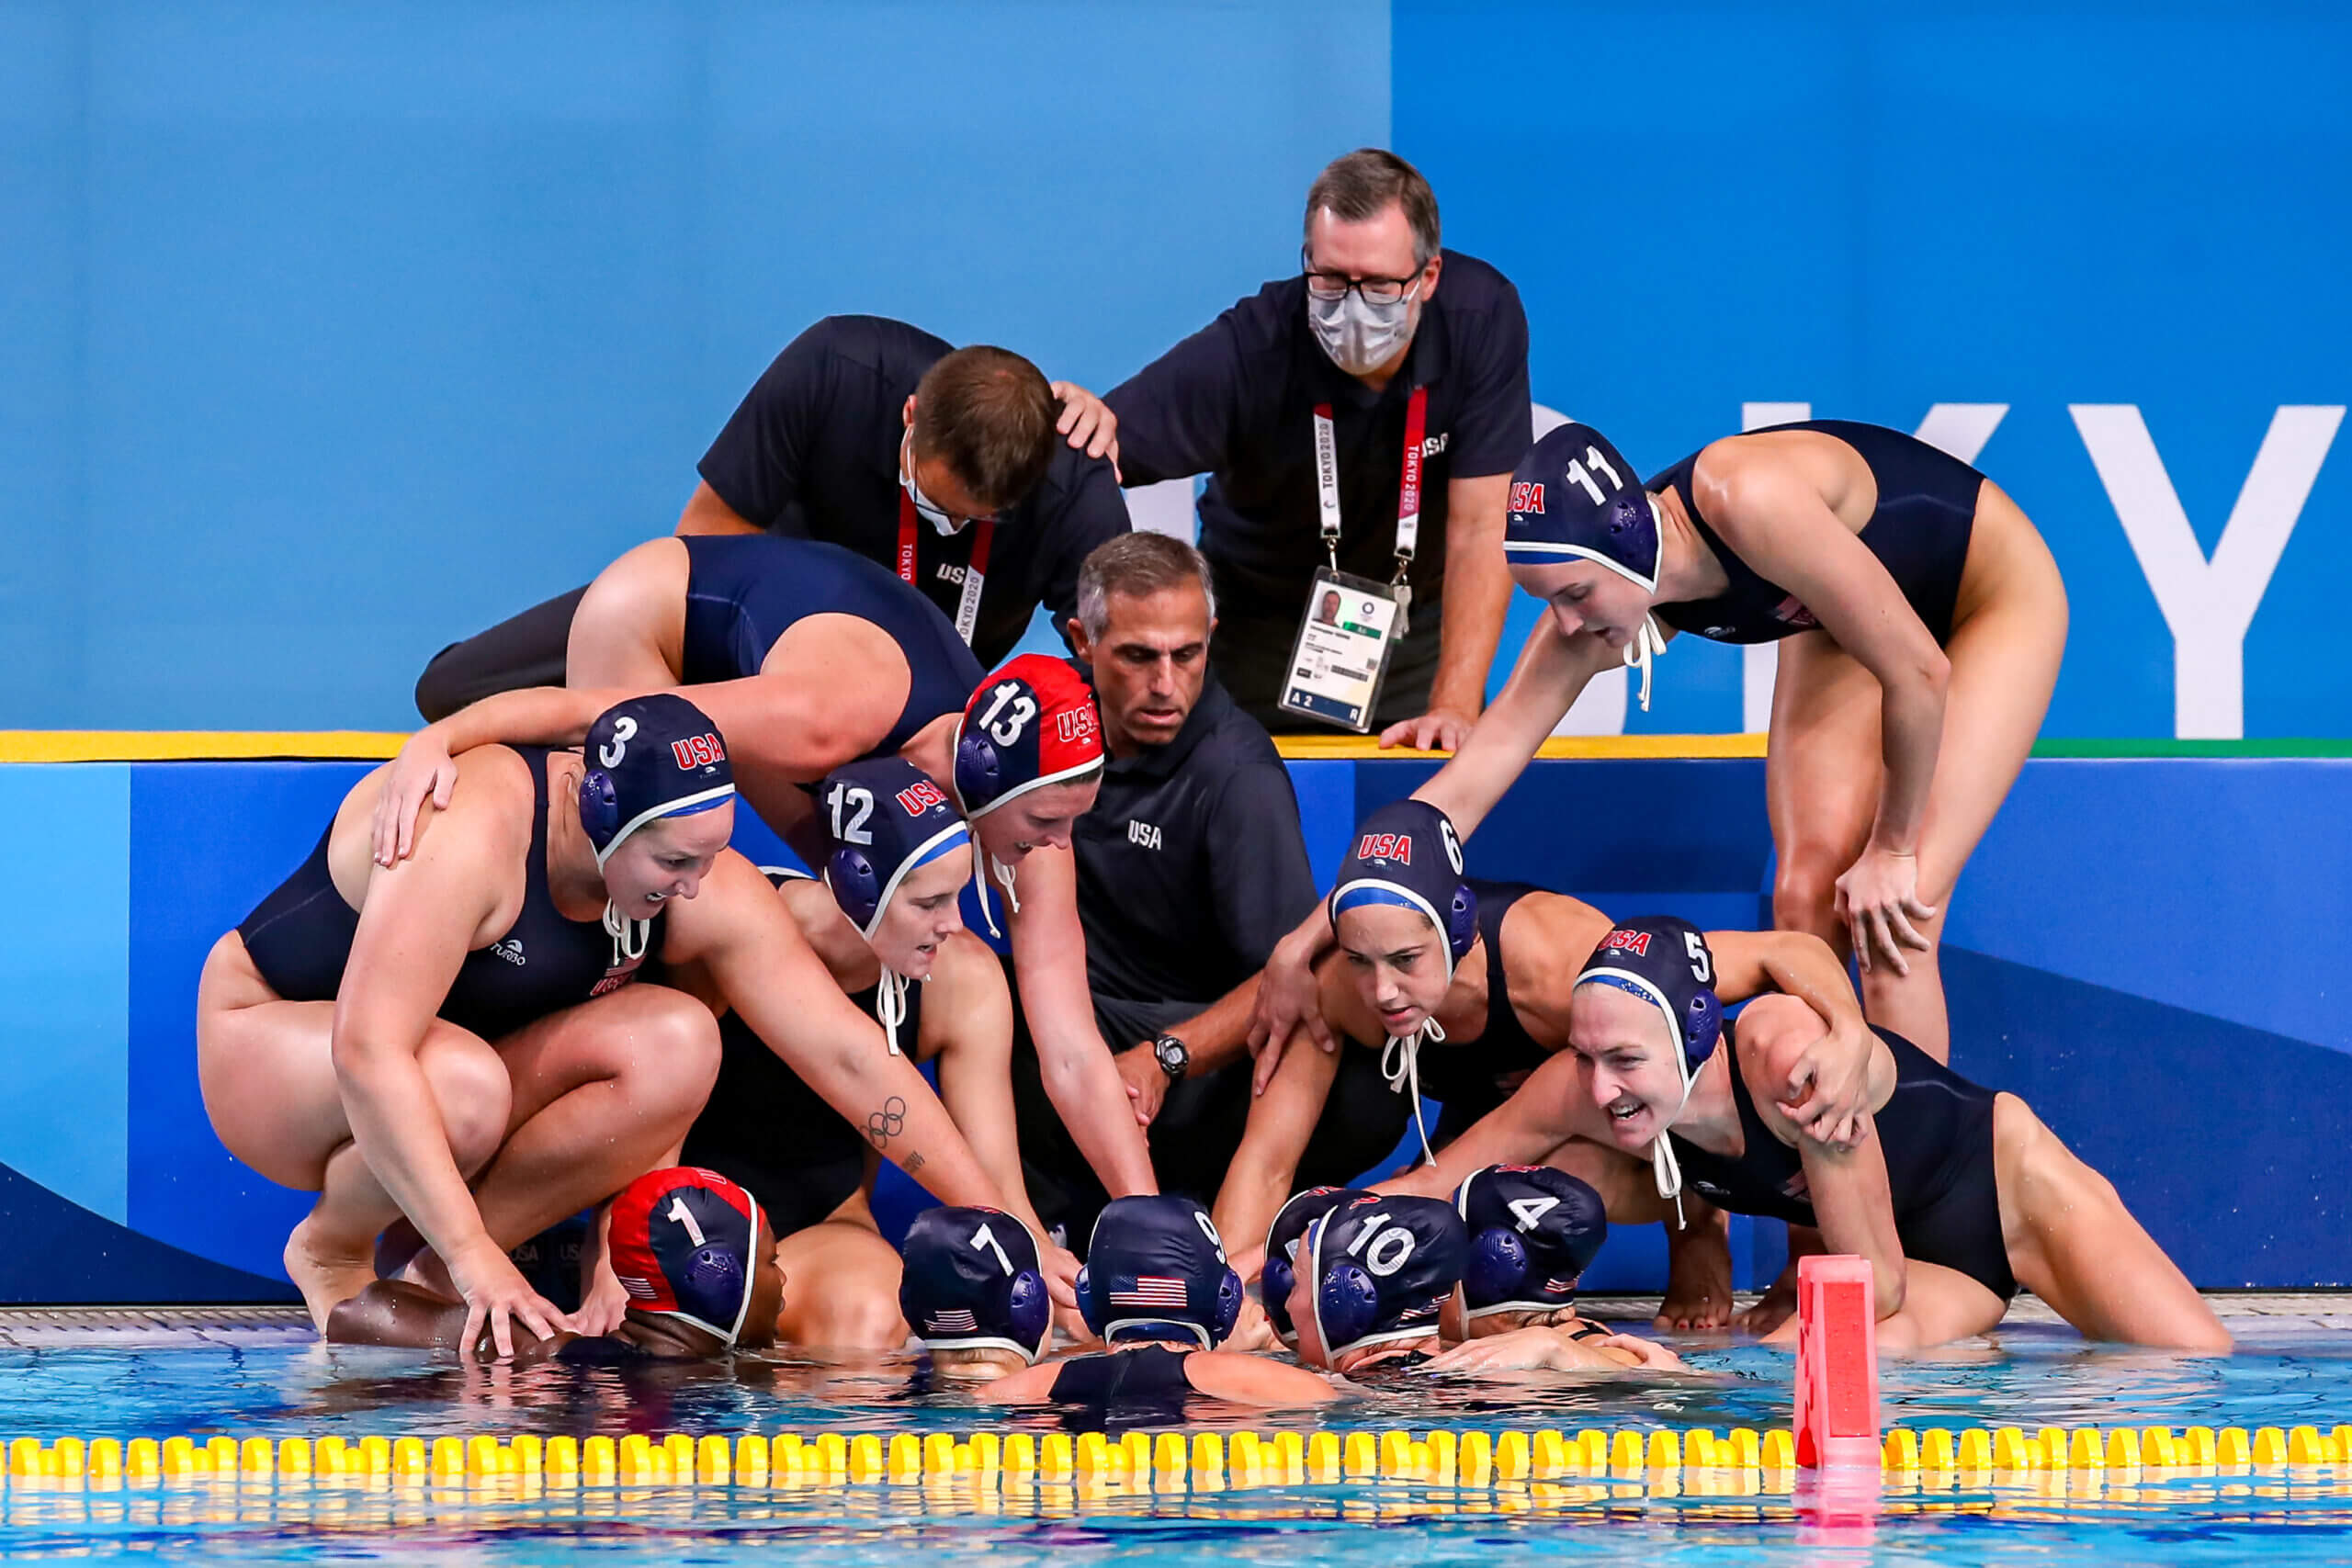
(1359, 335)
(926, 508)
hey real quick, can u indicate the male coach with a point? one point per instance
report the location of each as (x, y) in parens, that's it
(1190, 866)
(962, 470)
(1359, 349)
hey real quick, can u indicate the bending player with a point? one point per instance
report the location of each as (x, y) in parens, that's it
(693, 1250)
(457, 1039)
(886, 922)
(1924, 622)
(973, 1291)
(1158, 1291)
(1956, 1194)
(1462, 985)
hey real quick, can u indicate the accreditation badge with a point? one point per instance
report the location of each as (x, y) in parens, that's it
(1342, 654)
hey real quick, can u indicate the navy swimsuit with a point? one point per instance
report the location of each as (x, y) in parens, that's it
(1153, 1375)
(300, 938)
(1936, 1130)
(743, 591)
(1469, 1079)
(1926, 511)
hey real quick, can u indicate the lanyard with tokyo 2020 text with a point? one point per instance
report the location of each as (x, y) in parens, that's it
(967, 605)
(1408, 493)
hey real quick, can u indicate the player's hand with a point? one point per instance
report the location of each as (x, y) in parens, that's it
(1146, 1081)
(1440, 730)
(422, 771)
(1649, 1353)
(1521, 1350)
(1087, 423)
(1879, 898)
(1060, 1267)
(497, 1298)
(603, 1304)
(1827, 1087)
(1252, 1330)
(1288, 999)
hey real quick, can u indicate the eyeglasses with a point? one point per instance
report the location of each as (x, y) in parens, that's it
(1327, 286)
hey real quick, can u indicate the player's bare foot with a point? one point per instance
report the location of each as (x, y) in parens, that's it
(327, 1274)
(1697, 1274)
(1772, 1309)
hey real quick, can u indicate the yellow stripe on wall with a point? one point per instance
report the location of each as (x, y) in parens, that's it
(1306, 748)
(370, 745)
(191, 744)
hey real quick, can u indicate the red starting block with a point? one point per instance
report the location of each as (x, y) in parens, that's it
(1837, 1413)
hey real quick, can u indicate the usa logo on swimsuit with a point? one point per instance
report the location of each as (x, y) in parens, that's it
(918, 798)
(697, 752)
(1635, 942)
(1398, 847)
(1526, 497)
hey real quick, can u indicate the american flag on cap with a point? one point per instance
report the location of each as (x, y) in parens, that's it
(1151, 1290)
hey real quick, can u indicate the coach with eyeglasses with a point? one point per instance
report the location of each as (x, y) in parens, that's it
(1298, 402)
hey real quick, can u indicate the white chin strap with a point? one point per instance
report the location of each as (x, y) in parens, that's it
(1400, 1064)
(983, 864)
(1646, 643)
(630, 938)
(890, 1006)
(1663, 1165)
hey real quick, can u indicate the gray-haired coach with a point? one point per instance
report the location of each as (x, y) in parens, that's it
(1382, 336)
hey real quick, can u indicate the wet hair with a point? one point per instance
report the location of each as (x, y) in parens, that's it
(1138, 564)
(1363, 184)
(988, 414)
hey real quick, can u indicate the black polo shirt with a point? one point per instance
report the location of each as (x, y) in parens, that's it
(1236, 401)
(813, 452)
(1191, 867)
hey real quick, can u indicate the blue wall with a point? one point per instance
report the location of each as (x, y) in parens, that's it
(2148, 951)
(330, 333)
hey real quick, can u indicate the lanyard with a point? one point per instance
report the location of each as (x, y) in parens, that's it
(967, 608)
(1409, 483)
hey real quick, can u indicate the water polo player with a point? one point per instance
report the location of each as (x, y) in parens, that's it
(1957, 1194)
(973, 1292)
(1374, 1284)
(1533, 1231)
(886, 921)
(1924, 622)
(694, 1253)
(457, 1038)
(1461, 985)
(1023, 758)
(1158, 1290)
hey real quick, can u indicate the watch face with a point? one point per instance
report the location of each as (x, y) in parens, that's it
(1172, 1054)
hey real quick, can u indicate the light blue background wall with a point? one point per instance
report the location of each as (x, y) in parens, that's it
(329, 333)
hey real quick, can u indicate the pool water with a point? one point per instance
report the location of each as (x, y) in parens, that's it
(276, 1384)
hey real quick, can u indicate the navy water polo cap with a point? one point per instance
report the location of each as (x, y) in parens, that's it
(1667, 963)
(1407, 854)
(1383, 1267)
(1283, 1240)
(681, 1243)
(886, 817)
(648, 758)
(1574, 497)
(1156, 1270)
(1532, 1232)
(1030, 724)
(972, 1281)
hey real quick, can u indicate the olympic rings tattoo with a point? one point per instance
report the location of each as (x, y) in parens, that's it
(887, 1123)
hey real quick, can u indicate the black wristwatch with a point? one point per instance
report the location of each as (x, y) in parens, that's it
(1172, 1056)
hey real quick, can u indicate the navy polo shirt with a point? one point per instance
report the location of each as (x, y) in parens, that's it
(813, 452)
(1191, 867)
(1236, 401)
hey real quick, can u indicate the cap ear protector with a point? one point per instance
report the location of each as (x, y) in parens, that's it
(1347, 1304)
(1702, 1026)
(1498, 1264)
(1274, 1282)
(600, 807)
(856, 887)
(980, 771)
(1028, 1309)
(1461, 922)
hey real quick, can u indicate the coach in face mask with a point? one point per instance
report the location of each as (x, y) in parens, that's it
(1300, 404)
